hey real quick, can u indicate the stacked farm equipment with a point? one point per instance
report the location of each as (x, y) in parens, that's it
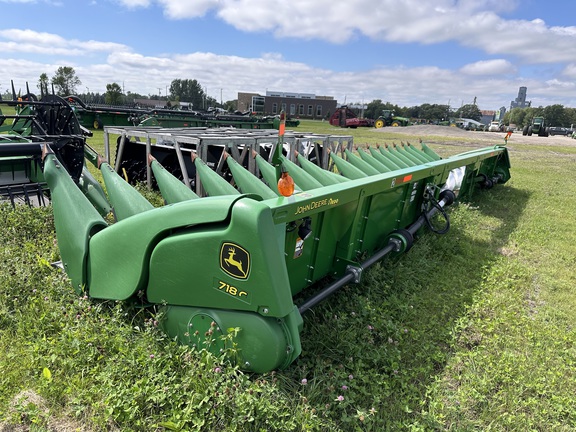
(97, 116)
(35, 123)
(230, 263)
(180, 118)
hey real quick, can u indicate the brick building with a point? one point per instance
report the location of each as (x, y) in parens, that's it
(300, 105)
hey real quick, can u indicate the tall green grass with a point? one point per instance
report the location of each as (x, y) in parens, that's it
(469, 331)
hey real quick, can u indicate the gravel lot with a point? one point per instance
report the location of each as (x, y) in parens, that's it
(478, 138)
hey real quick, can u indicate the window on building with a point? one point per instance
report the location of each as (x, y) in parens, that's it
(301, 109)
(318, 110)
(292, 109)
(258, 104)
(284, 107)
(274, 108)
(310, 111)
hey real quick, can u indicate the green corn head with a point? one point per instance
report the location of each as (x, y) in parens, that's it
(236, 259)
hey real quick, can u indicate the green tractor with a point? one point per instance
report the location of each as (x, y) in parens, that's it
(389, 119)
(538, 127)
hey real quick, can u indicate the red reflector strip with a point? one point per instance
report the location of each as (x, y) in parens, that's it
(407, 178)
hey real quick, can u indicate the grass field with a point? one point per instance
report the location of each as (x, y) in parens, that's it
(472, 331)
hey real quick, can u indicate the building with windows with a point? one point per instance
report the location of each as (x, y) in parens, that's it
(300, 105)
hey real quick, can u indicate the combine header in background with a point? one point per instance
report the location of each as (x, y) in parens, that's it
(98, 116)
(241, 260)
(346, 118)
(35, 122)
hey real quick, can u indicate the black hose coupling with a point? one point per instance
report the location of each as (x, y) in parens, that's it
(448, 196)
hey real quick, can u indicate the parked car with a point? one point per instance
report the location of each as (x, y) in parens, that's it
(495, 127)
(555, 130)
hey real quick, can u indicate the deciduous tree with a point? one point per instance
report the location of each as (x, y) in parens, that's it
(65, 81)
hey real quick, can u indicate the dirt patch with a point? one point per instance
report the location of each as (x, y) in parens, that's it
(29, 409)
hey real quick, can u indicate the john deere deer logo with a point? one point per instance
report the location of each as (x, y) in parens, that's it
(235, 260)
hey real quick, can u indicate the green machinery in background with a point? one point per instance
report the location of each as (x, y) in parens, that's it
(235, 255)
(388, 118)
(23, 133)
(97, 116)
(537, 126)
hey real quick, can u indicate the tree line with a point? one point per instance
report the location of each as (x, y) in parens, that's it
(65, 82)
(555, 115)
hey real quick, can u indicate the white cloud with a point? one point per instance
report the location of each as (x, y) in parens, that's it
(228, 75)
(472, 23)
(131, 4)
(50, 2)
(30, 41)
(489, 67)
(570, 71)
(181, 9)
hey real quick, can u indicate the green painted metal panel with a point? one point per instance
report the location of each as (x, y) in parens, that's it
(118, 262)
(125, 200)
(247, 182)
(323, 176)
(236, 264)
(346, 168)
(300, 176)
(386, 161)
(360, 163)
(263, 343)
(171, 189)
(75, 219)
(212, 182)
(380, 167)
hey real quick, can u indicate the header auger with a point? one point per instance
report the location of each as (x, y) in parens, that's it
(233, 257)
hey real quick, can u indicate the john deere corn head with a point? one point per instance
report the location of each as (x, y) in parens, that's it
(238, 257)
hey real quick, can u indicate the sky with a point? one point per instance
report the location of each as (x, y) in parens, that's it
(406, 52)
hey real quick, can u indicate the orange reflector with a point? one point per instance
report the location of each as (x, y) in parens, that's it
(281, 129)
(407, 178)
(286, 185)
